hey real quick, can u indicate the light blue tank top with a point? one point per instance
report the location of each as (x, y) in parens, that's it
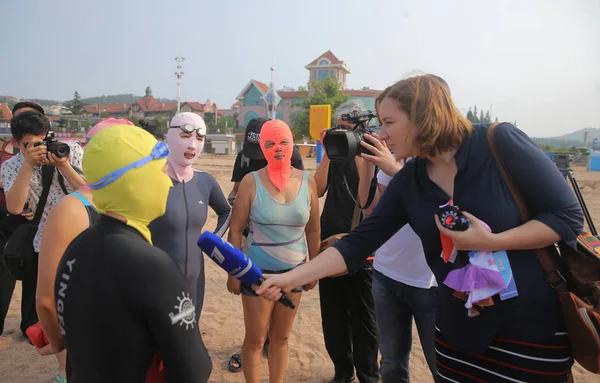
(277, 241)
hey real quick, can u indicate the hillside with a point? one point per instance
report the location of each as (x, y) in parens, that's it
(578, 135)
(100, 100)
(556, 143)
(569, 140)
(118, 99)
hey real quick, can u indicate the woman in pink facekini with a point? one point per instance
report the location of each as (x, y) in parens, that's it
(283, 208)
(103, 124)
(193, 192)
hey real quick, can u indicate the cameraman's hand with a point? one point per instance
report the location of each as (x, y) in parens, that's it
(321, 136)
(58, 162)
(382, 157)
(35, 155)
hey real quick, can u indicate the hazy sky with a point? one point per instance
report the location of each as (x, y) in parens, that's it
(536, 62)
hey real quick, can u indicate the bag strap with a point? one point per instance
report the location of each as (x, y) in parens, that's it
(553, 275)
(4, 145)
(47, 174)
(61, 182)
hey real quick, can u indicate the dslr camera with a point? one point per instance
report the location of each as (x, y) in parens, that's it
(342, 144)
(59, 149)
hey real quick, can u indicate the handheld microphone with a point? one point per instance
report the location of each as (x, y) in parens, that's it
(235, 262)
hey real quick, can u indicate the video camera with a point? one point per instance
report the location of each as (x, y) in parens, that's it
(342, 144)
(59, 149)
(563, 162)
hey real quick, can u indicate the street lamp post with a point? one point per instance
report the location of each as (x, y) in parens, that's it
(179, 75)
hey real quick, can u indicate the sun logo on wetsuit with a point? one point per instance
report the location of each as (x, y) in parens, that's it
(187, 311)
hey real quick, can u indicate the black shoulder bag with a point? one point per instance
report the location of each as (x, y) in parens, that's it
(19, 254)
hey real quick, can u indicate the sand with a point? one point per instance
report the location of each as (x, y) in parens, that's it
(222, 319)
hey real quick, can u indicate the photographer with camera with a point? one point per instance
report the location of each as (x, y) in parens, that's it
(347, 308)
(10, 222)
(24, 176)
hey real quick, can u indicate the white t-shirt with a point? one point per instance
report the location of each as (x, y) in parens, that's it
(402, 258)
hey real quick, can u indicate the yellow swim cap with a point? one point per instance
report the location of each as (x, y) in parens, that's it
(138, 193)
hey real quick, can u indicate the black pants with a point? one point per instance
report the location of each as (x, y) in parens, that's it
(349, 326)
(7, 286)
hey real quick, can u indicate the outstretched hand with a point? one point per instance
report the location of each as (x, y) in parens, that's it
(273, 287)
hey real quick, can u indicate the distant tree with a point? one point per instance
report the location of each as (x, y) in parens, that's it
(479, 118)
(1, 114)
(75, 106)
(223, 125)
(470, 116)
(236, 115)
(160, 122)
(322, 92)
(496, 119)
(148, 91)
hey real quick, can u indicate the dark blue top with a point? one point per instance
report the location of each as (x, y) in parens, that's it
(177, 231)
(126, 298)
(479, 189)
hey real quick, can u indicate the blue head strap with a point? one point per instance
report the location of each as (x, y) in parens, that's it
(159, 151)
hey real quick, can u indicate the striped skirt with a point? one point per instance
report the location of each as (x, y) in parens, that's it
(506, 361)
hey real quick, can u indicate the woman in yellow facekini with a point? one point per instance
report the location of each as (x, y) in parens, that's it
(119, 299)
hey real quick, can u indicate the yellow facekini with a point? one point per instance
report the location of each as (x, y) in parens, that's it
(139, 195)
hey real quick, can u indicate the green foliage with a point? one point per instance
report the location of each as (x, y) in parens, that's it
(556, 144)
(43, 102)
(119, 99)
(148, 91)
(224, 125)
(160, 122)
(75, 106)
(470, 116)
(482, 118)
(323, 92)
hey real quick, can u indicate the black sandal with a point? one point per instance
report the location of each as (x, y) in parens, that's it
(235, 363)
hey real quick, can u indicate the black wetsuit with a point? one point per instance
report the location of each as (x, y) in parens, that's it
(119, 300)
(176, 232)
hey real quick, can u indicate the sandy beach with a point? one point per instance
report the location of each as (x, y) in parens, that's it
(222, 320)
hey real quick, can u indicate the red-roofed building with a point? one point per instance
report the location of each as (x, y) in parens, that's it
(5, 115)
(148, 107)
(327, 65)
(194, 107)
(121, 110)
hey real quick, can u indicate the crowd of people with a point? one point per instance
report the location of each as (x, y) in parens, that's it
(131, 206)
